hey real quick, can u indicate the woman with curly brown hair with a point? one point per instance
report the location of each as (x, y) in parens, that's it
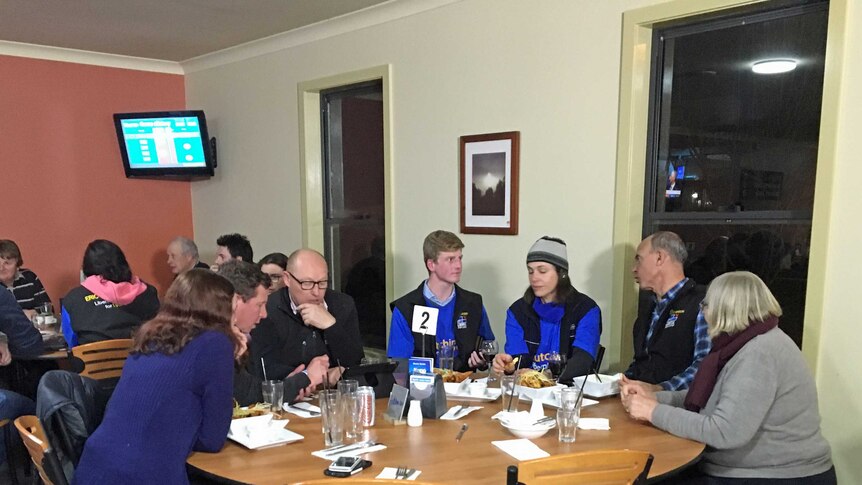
(174, 396)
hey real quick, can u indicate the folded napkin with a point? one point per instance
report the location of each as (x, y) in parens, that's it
(521, 449)
(388, 473)
(349, 452)
(594, 423)
(458, 412)
(515, 417)
(302, 409)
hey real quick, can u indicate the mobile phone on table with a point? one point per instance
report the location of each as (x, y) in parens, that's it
(346, 466)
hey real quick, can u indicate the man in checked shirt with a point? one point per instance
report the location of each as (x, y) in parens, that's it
(670, 335)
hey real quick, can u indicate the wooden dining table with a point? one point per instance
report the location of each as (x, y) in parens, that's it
(432, 448)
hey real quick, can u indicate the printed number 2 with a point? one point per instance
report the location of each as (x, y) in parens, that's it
(425, 317)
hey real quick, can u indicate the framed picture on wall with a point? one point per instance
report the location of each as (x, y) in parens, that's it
(489, 183)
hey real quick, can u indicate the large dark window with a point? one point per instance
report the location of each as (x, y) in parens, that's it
(733, 152)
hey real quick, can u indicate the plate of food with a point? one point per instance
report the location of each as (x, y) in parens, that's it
(257, 409)
(452, 376)
(533, 385)
(602, 385)
(471, 391)
(263, 431)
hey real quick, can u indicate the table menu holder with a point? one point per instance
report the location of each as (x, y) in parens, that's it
(430, 391)
(398, 399)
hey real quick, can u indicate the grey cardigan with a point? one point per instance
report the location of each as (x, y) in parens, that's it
(761, 420)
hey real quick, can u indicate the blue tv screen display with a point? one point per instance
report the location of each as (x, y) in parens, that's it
(164, 144)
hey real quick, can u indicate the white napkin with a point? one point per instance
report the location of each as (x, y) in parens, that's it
(594, 423)
(459, 411)
(334, 456)
(515, 417)
(388, 473)
(300, 409)
(521, 449)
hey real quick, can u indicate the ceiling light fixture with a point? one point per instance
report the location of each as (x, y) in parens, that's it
(773, 66)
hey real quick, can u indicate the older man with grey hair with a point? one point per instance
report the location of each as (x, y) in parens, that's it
(670, 335)
(183, 255)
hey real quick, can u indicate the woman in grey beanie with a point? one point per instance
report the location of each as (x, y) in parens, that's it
(552, 317)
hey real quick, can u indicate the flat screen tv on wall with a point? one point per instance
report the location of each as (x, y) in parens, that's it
(172, 144)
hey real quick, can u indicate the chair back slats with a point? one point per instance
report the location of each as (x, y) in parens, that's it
(589, 467)
(105, 359)
(33, 435)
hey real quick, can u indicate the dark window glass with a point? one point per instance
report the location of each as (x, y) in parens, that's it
(733, 153)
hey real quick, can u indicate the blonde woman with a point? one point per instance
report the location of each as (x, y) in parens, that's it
(753, 401)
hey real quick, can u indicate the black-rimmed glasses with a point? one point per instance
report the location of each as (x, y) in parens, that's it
(308, 285)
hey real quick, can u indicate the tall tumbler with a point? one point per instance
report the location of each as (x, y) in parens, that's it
(347, 391)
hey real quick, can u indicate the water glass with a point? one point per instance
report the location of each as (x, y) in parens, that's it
(347, 390)
(569, 398)
(510, 391)
(331, 417)
(446, 356)
(567, 424)
(273, 394)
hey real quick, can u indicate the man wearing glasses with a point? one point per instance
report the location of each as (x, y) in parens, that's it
(306, 319)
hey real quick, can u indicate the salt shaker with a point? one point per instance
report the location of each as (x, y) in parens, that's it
(414, 414)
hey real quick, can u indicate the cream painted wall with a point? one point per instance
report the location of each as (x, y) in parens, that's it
(550, 70)
(467, 68)
(840, 360)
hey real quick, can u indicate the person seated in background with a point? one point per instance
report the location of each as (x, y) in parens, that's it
(274, 265)
(183, 255)
(22, 282)
(552, 318)
(174, 396)
(670, 335)
(306, 319)
(249, 306)
(111, 302)
(232, 246)
(461, 320)
(18, 338)
(753, 401)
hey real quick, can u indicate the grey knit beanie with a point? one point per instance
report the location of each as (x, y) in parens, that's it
(550, 250)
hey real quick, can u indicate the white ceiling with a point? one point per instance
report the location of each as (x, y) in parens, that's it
(169, 30)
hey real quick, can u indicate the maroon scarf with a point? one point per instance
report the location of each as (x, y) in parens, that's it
(724, 347)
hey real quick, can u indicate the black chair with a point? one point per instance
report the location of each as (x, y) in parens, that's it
(71, 407)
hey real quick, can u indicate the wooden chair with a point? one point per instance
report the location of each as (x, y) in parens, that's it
(41, 453)
(103, 360)
(600, 466)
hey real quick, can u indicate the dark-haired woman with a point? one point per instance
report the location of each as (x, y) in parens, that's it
(175, 393)
(552, 317)
(274, 265)
(111, 302)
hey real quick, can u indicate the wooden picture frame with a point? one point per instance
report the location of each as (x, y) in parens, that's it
(489, 183)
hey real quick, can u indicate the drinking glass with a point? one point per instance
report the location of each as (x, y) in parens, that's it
(555, 362)
(570, 398)
(331, 417)
(273, 393)
(567, 424)
(510, 392)
(347, 390)
(446, 356)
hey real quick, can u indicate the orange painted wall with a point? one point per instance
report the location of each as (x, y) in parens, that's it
(61, 176)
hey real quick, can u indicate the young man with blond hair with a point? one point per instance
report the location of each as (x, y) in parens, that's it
(462, 318)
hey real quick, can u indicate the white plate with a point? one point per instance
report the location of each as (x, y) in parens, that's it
(265, 432)
(454, 390)
(609, 386)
